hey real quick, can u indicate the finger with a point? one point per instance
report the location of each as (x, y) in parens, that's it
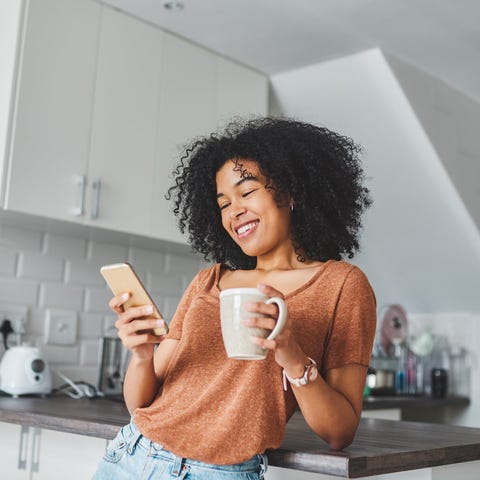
(135, 312)
(133, 341)
(266, 323)
(140, 326)
(268, 309)
(116, 303)
(269, 290)
(264, 343)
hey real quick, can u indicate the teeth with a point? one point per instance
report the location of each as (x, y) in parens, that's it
(246, 228)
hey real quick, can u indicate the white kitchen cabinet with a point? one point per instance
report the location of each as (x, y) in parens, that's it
(239, 91)
(39, 454)
(200, 92)
(187, 109)
(124, 126)
(52, 119)
(102, 103)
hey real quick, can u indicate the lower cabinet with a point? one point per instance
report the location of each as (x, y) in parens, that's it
(38, 454)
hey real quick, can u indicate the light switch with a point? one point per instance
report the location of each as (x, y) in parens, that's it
(61, 327)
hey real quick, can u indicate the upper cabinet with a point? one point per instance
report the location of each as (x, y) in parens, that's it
(124, 125)
(103, 104)
(52, 119)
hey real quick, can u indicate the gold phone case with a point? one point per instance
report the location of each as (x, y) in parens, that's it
(121, 278)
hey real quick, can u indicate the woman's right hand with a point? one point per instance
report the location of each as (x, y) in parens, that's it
(135, 328)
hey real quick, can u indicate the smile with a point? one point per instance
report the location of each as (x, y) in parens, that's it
(246, 229)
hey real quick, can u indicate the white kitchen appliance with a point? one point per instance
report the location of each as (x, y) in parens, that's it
(24, 370)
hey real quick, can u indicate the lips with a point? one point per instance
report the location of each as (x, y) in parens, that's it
(246, 229)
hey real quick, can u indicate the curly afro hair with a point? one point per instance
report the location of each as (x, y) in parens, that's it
(317, 168)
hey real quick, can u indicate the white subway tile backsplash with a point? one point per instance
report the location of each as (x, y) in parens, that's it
(61, 355)
(60, 246)
(40, 267)
(89, 352)
(8, 261)
(81, 272)
(177, 265)
(90, 325)
(147, 260)
(169, 306)
(61, 296)
(46, 270)
(96, 300)
(36, 322)
(109, 329)
(17, 290)
(21, 238)
(105, 253)
(165, 284)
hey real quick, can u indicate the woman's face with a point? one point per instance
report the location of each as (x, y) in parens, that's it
(249, 211)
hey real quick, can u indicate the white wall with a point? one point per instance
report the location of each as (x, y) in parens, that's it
(452, 122)
(420, 246)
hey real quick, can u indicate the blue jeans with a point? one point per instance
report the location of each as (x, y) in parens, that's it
(132, 456)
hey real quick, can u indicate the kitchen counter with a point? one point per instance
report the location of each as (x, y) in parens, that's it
(380, 446)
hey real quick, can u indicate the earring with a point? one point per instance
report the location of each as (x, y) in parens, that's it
(291, 207)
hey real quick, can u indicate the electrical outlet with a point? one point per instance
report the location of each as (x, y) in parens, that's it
(17, 314)
(61, 327)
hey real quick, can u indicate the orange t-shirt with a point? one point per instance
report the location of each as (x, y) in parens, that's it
(224, 411)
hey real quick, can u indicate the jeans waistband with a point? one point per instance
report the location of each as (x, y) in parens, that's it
(156, 449)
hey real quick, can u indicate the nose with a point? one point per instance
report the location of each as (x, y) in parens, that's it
(237, 211)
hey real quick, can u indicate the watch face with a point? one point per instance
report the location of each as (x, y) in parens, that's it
(312, 373)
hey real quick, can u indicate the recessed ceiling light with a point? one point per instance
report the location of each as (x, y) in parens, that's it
(173, 5)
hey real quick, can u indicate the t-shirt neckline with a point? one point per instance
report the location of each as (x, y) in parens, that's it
(294, 292)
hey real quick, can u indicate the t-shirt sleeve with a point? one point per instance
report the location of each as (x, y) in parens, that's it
(176, 324)
(352, 330)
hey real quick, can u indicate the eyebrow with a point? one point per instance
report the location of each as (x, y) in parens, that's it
(240, 182)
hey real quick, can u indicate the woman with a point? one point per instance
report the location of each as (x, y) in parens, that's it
(276, 204)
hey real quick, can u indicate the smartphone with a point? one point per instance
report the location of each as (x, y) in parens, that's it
(121, 278)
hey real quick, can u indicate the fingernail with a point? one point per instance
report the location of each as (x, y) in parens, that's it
(148, 309)
(125, 296)
(261, 286)
(160, 323)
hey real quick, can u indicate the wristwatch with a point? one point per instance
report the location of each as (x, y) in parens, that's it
(309, 375)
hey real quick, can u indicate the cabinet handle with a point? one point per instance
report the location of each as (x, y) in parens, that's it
(35, 453)
(82, 184)
(22, 449)
(96, 185)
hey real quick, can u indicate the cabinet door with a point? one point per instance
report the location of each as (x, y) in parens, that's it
(124, 122)
(10, 444)
(53, 111)
(65, 455)
(240, 91)
(187, 109)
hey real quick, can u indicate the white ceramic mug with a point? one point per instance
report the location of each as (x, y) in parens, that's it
(236, 335)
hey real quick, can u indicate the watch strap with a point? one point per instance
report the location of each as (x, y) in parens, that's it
(304, 380)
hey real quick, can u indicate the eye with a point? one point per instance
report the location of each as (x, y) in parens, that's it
(246, 194)
(223, 206)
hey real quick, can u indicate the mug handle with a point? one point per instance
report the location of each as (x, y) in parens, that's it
(282, 316)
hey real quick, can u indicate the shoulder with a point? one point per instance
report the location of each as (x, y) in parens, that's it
(342, 270)
(207, 277)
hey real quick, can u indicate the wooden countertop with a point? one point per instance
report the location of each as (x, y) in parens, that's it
(380, 446)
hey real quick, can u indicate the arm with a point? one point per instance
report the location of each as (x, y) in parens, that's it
(147, 365)
(331, 405)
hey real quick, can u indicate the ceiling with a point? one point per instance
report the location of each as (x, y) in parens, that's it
(441, 37)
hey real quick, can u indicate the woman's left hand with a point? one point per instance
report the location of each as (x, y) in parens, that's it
(287, 351)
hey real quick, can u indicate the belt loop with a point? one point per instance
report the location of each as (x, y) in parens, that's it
(133, 442)
(263, 465)
(177, 466)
